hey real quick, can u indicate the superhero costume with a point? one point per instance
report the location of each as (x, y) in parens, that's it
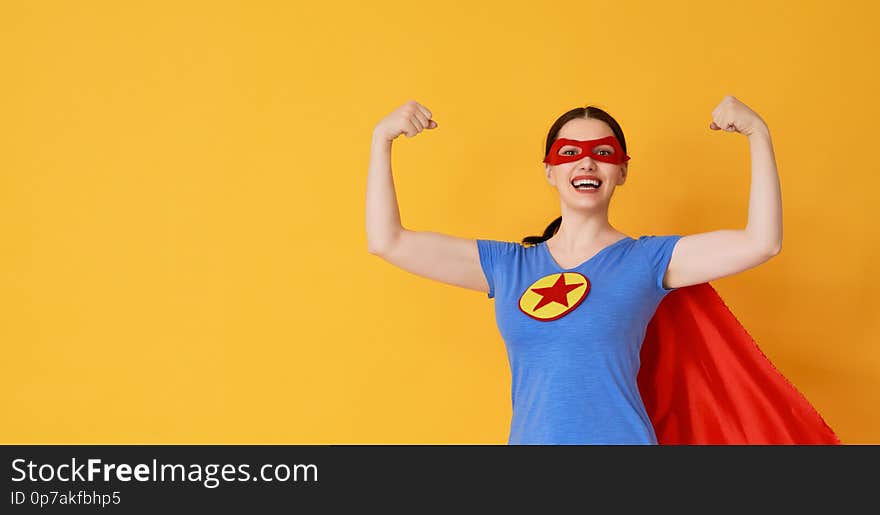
(603, 353)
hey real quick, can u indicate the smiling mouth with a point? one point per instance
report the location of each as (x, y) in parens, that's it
(586, 184)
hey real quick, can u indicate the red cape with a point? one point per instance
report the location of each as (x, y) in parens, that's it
(704, 380)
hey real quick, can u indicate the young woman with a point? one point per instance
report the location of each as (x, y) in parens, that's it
(574, 305)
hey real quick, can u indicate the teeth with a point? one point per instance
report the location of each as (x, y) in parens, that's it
(583, 182)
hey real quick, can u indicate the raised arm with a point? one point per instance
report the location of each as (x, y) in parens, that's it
(432, 255)
(699, 258)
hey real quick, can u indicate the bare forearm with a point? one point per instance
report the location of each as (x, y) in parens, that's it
(765, 199)
(383, 214)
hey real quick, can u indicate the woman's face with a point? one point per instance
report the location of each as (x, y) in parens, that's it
(564, 176)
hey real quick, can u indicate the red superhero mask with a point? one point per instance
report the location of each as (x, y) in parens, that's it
(607, 150)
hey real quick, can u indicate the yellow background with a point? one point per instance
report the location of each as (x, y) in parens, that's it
(182, 187)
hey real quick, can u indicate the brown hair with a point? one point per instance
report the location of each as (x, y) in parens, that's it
(578, 112)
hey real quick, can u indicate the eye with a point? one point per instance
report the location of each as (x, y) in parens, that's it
(565, 152)
(607, 152)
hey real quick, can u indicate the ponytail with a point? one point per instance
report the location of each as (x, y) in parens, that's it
(548, 232)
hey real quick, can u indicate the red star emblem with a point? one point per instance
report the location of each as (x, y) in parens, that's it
(556, 293)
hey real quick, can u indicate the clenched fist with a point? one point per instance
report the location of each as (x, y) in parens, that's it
(411, 118)
(734, 116)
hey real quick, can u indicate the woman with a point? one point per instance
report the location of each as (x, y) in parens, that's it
(575, 304)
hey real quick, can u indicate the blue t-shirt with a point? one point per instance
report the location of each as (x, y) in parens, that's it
(574, 358)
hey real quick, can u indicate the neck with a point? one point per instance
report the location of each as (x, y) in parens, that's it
(584, 230)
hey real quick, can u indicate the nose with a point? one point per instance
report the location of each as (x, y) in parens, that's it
(587, 162)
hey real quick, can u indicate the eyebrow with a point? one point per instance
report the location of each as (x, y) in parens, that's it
(599, 145)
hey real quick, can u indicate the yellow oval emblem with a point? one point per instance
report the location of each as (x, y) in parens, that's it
(554, 296)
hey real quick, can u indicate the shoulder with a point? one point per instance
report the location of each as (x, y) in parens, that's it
(656, 237)
(657, 249)
(654, 240)
(499, 246)
(494, 251)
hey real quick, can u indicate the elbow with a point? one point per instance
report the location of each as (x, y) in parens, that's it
(777, 248)
(766, 248)
(377, 249)
(374, 245)
(380, 246)
(374, 250)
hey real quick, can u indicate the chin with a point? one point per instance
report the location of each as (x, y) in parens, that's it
(588, 206)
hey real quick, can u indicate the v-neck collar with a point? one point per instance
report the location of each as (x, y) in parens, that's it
(594, 256)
